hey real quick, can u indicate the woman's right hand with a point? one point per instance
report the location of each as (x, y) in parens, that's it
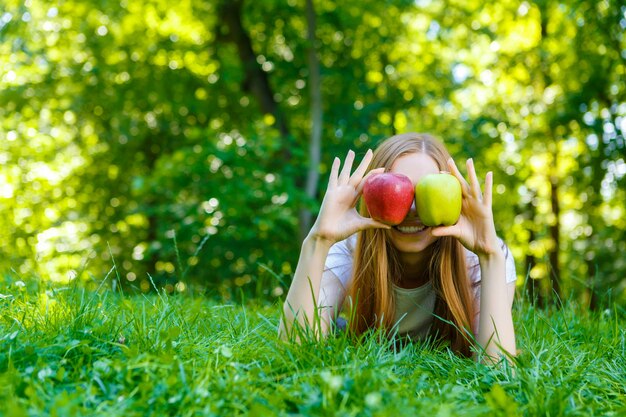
(338, 217)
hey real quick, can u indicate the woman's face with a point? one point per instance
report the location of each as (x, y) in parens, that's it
(411, 235)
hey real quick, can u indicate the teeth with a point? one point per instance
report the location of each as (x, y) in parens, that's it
(411, 229)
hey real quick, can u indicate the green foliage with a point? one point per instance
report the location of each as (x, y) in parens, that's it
(132, 130)
(67, 351)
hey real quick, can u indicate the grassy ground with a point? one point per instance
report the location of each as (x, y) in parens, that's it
(67, 351)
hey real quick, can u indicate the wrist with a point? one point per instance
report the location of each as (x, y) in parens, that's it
(492, 251)
(317, 239)
(496, 256)
(493, 268)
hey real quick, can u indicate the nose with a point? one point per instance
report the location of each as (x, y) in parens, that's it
(412, 215)
(412, 211)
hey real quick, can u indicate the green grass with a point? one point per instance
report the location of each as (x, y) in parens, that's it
(69, 351)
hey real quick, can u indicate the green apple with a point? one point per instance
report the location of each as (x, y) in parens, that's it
(438, 199)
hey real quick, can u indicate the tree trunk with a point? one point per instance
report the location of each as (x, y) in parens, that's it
(390, 101)
(256, 80)
(533, 286)
(315, 144)
(553, 145)
(152, 149)
(555, 270)
(594, 300)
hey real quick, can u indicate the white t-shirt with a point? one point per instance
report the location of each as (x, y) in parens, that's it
(414, 307)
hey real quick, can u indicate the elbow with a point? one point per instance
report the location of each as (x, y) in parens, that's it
(494, 354)
(282, 331)
(296, 326)
(285, 324)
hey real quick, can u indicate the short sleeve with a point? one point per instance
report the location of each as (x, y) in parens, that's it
(340, 258)
(332, 293)
(511, 275)
(473, 270)
(337, 275)
(473, 265)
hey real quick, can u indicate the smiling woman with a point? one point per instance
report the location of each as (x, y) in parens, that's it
(450, 282)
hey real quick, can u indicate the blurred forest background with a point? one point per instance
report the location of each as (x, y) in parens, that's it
(190, 141)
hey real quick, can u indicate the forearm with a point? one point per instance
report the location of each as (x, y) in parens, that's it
(301, 302)
(496, 331)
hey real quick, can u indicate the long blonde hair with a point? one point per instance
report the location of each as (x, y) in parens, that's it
(377, 266)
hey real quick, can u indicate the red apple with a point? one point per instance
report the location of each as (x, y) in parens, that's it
(388, 197)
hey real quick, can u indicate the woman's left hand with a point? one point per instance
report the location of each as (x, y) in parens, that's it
(475, 228)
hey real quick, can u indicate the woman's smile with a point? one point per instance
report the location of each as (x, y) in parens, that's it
(410, 228)
(412, 235)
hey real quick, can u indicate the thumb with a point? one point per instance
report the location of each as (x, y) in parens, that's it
(369, 223)
(440, 231)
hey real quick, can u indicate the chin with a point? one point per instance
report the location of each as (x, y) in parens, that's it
(411, 242)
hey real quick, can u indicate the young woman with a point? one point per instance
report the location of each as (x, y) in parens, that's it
(455, 282)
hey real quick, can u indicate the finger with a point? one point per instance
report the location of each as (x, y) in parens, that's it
(488, 189)
(455, 171)
(334, 170)
(473, 179)
(347, 167)
(440, 231)
(358, 173)
(361, 184)
(368, 223)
